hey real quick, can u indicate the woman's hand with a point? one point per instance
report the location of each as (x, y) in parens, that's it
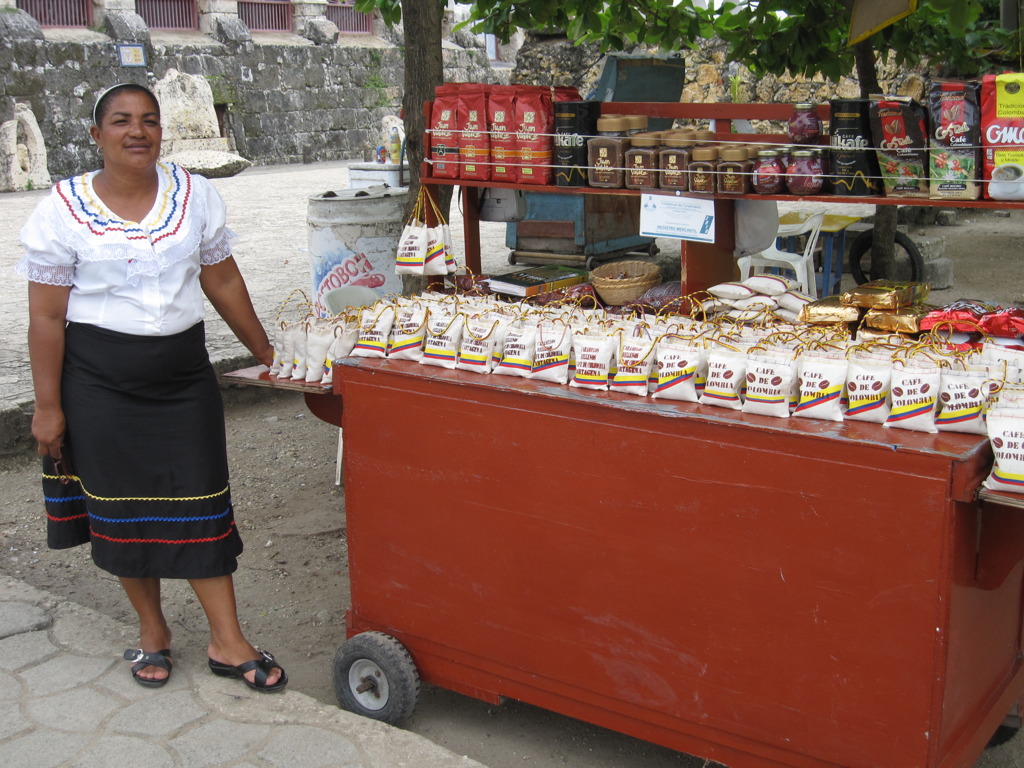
(48, 428)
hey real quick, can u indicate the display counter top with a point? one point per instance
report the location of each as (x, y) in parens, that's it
(951, 446)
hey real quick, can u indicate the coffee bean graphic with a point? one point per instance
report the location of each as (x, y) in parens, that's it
(944, 397)
(876, 385)
(776, 381)
(973, 393)
(997, 442)
(727, 375)
(925, 388)
(897, 392)
(824, 384)
(852, 386)
(751, 378)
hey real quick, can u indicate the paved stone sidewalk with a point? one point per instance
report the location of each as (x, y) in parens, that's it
(66, 698)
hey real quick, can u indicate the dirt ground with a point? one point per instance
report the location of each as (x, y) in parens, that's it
(292, 582)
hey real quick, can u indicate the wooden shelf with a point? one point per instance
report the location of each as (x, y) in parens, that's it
(863, 200)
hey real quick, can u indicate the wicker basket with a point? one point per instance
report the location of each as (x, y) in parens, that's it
(619, 282)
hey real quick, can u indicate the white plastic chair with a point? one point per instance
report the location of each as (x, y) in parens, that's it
(802, 264)
(335, 301)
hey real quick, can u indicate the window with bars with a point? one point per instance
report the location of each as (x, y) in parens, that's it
(343, 14)
(59, 13)
(266, 15)
(168, 14)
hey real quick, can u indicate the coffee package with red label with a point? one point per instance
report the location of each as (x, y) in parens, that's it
(501, 115)
(534, 132)
(1002, 135)
(954, 140)
(444, 135)
(901, 144)
(474, 138)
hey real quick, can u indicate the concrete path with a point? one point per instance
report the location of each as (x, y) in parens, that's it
(66, 700)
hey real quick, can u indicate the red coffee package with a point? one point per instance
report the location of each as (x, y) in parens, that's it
(1002, 135)
(535, 128)
(954, 140)
(565, 93)
(900, 139)
(501, 115)
(444, 126)
(474, 139)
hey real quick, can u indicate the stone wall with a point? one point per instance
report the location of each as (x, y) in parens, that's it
(285, 102)
(710, 76)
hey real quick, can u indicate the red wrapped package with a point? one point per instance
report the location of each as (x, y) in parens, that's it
(535, 128)
(1008, 323)
(963, 316)
(474, 139)
(444, 137)
(661, 297)
(581, 293)
(501, 115)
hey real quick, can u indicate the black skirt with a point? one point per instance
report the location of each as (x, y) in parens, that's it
(145, 475)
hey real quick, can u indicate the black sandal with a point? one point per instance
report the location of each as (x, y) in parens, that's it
(263, 666)
(143, 660)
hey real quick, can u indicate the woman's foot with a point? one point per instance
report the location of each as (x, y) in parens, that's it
(153, 643)
(257, 669)
(152, 669)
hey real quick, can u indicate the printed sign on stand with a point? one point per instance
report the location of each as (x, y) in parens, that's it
(684, 218)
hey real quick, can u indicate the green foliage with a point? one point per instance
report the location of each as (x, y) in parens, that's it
(376, 85)
(805, 37)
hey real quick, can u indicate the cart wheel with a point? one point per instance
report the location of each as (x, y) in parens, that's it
(374, 676)
(1002, 735)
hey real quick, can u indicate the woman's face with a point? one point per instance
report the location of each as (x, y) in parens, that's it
(129, 133)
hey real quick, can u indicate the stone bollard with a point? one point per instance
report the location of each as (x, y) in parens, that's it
(22, 153)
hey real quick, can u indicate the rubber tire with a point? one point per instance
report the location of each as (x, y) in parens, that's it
(1002, 735)
(382, 656)
(863, 244)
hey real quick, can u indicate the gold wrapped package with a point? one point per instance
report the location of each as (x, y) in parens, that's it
(902, 320)
(886, 294)
(829, 310)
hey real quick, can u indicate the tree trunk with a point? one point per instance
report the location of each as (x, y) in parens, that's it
(883, 251)
(424, 70)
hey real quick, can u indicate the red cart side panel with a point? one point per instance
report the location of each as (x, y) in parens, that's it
(778, 588)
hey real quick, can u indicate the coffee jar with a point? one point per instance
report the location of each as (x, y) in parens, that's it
(768, 173)
(642, 161)
(606, 153)
(703, 170)
(734, 171)
(803, 175)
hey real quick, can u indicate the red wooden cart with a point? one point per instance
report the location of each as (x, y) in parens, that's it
(761, 592)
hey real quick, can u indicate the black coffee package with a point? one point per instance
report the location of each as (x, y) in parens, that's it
(853, 168)
(954, 139)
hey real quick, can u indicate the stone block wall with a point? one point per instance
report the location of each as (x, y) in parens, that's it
(282, 103)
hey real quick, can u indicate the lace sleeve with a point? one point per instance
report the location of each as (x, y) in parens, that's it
(217, 237)
(47, 258)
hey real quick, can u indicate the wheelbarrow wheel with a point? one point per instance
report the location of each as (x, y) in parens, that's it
(375, 676)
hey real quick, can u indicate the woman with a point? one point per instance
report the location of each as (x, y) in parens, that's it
(128, 413)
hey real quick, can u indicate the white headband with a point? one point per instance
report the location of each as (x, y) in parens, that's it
(103, 95)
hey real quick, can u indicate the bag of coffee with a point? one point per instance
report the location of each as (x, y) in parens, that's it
(444, 125)
(900, 140)
(1002, 135)
(474, 139)
(501, 115)
(954, 139)
(534, 131)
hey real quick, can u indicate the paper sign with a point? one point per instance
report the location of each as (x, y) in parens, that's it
(684, 218)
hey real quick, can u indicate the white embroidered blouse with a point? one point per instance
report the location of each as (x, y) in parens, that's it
(142, 277)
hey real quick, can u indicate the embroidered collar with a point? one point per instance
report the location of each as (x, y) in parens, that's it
(171, 231)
